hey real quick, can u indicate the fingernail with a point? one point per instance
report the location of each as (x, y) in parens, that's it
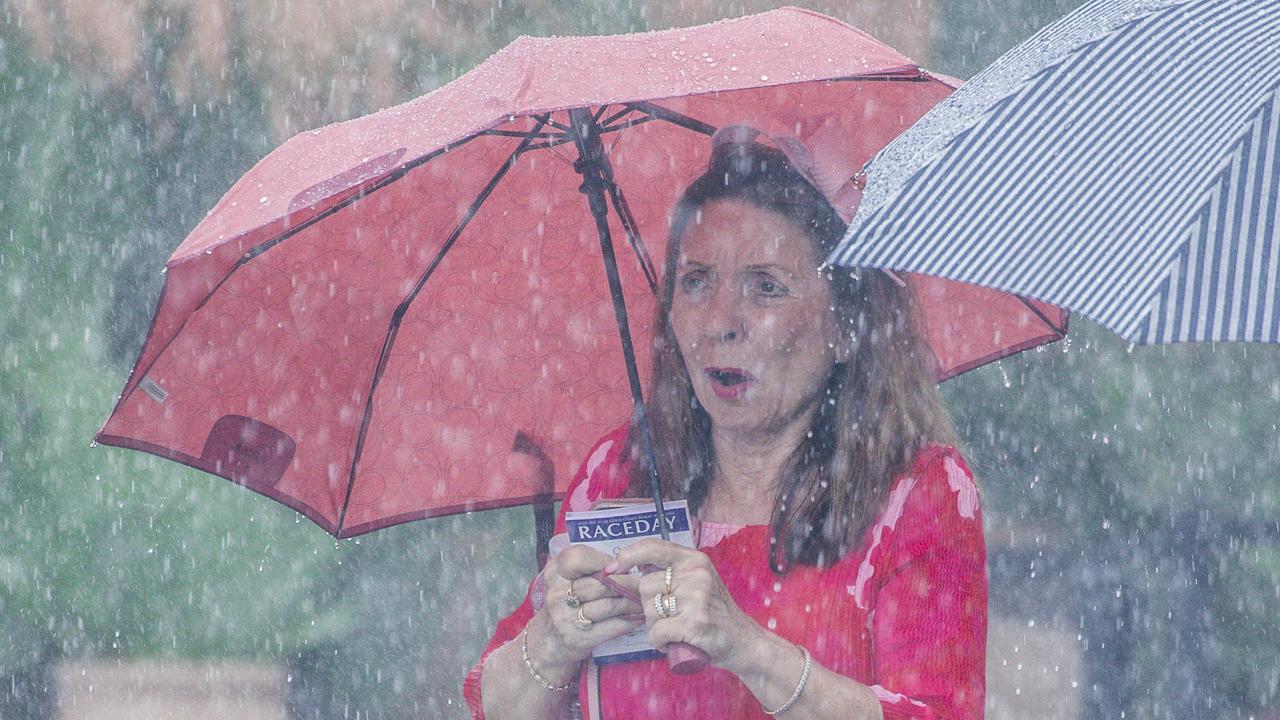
(611, 568)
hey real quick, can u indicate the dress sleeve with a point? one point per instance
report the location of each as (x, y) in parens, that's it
(602, 474)
(930, 621)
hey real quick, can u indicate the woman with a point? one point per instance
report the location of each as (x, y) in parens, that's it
(840, 569)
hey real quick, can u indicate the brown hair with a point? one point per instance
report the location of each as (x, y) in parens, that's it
(878, 409)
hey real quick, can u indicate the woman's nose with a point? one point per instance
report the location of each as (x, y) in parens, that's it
(725, 320)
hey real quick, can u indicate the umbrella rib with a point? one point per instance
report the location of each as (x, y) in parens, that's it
(918, 78)
(522, 134)
(618, 116)
(397, 175)
(403, 307)
(1043, 318)
(266, 245)
(630, 123)
(633, 235)
(549, 144)
(671, 116)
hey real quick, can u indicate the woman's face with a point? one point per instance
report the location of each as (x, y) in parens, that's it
(753, 317)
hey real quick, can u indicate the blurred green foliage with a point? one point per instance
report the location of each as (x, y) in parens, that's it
(101, 552)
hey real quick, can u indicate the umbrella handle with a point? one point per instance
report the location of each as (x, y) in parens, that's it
(682, 658)
(685, 659)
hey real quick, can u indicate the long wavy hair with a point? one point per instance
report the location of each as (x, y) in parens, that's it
(876, 412)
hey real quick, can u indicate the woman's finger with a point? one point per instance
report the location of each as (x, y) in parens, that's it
(606, 608)
(663, 633)
(579, 560)
(649, 552)
(605, 630)
(622, 589)
(690, 592)
(589, 588)
(606, 619)
(655, 583)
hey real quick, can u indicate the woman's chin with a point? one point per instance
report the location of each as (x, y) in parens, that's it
(738, 416)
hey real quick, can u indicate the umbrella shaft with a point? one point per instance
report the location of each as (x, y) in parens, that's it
(596, 174)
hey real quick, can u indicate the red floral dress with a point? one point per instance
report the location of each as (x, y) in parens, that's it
(905, 613)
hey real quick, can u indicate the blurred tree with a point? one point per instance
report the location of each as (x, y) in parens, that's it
(106, 554)
(1114, 509)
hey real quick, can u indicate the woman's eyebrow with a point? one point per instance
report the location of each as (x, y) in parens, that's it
(772, 267)
(696, 264)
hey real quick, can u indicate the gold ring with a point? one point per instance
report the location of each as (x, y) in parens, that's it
(570, 598)
(668, 578)
(581, 622)
(669, 604)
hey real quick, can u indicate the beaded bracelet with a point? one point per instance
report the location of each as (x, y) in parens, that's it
(804, 678)
(524, 652)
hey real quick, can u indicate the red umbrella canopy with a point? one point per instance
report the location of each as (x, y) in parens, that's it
(366, 322)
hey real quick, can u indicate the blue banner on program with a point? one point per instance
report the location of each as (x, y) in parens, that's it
(623, 527)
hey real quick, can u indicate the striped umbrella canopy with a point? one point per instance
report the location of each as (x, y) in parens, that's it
(1121, 163)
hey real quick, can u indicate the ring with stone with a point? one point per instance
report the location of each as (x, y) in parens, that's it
(660, 605)
(581, 622)
(669, 604)
(668, 579)
(571, 599)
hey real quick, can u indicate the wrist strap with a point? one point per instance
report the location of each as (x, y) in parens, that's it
(804, 678)
(524, 653)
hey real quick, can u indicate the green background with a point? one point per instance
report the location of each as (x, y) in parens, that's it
(1131, 495)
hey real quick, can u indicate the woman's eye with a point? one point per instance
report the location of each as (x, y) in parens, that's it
(692, 282)
(769, 287)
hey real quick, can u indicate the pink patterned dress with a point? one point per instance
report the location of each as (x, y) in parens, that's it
(905, 613)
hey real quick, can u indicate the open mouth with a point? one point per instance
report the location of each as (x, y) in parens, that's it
(728, 377)
(729, 383)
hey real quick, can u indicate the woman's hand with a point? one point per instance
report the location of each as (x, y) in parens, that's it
(558, 640)
(707, 616)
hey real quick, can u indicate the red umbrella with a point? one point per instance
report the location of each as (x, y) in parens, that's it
(405, 315)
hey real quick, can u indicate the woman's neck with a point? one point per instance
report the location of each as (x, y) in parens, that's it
(744, 478)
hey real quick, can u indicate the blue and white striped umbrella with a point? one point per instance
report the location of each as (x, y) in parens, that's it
(1121, 163)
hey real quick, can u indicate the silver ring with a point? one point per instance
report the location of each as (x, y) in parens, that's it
(571, 599)
(581, 622)
(660, 605)
(669, 604)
